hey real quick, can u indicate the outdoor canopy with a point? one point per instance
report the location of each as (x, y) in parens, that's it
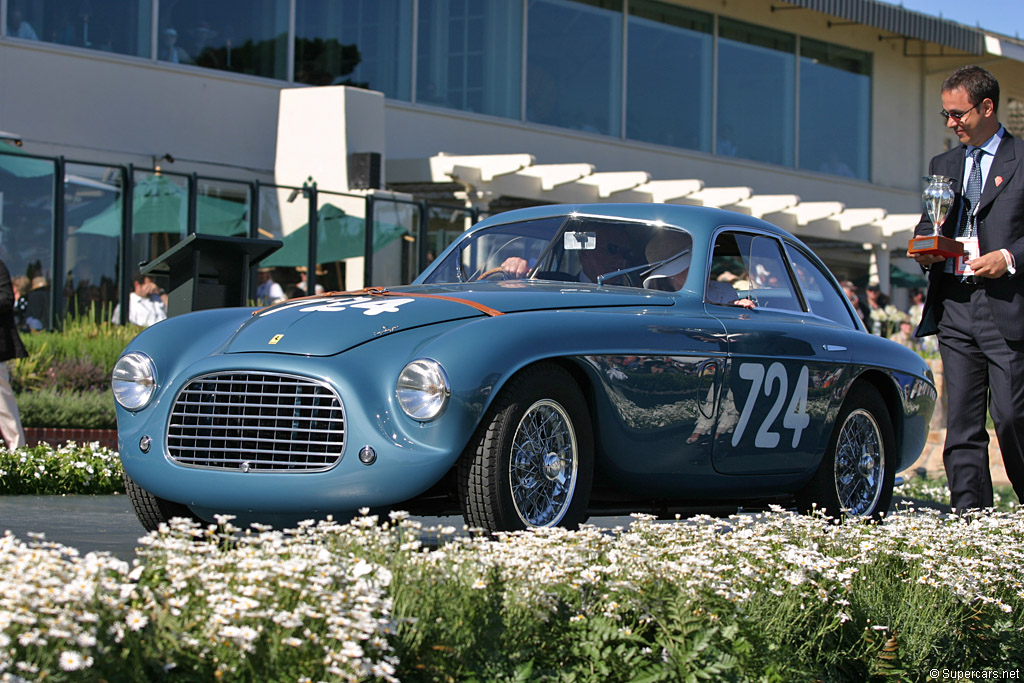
(161, 205)
(338, 237)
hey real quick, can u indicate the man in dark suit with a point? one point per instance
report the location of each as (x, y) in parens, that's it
(975, 303)
(10, 347)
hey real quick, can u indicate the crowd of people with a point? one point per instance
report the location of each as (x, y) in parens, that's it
(886, 320)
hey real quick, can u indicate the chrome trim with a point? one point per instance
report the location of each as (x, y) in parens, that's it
(247, 420)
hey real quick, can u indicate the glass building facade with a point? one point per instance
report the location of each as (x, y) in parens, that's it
(639, 70)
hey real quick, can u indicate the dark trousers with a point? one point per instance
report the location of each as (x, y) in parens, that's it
(979, 367)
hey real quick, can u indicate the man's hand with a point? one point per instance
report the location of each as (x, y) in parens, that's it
(990, 265)
(926, 260)
(514, 267)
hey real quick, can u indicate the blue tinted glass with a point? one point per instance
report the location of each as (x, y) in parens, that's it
(574, 65)
(470, 55)
(669, 106)
(835, 109)
(756, 94)
(362, 43)
(26, 232)
(121, 26)
(246, 36)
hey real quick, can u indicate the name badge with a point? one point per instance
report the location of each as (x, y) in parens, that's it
(972, 250)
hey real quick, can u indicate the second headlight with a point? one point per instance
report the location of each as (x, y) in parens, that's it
(423, 389)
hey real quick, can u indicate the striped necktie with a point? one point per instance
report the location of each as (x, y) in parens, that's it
(969, 218)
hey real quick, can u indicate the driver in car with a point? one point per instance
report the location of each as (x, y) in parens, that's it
(614, 251)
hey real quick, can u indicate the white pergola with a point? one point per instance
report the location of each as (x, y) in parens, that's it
(488, 176)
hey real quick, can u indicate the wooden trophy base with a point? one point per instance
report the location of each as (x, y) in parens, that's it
(936, 245)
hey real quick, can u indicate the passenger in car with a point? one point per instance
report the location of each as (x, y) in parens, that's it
(672, 275)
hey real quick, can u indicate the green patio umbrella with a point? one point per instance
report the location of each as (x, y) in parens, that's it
(339, 236)
(18, 164)
(161, 205)
(901, 278)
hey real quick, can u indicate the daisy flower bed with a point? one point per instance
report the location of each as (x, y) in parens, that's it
(70, 469)
(753, 597)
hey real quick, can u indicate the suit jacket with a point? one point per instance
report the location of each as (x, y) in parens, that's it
(10, 340)
(1000, 226)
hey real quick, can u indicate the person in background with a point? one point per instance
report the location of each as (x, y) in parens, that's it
(10, 347)
(975, 303)
(22, 320)
(904, 334)
(301, 285)
(169, 49)
(146, 304)
(268, 292)
(17, 27)
(38, 306)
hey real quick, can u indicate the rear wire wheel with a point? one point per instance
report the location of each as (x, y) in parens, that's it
(856, 474)
(531, 462)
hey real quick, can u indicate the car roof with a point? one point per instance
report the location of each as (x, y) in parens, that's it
(692, 218)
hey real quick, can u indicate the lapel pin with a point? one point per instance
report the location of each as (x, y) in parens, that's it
(999, 180)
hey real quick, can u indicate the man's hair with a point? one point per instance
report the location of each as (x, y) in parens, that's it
(978, 83)
(139, 278)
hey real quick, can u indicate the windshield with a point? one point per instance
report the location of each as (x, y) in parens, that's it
(571, 249)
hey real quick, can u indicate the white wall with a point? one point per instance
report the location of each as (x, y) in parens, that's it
(92, 106)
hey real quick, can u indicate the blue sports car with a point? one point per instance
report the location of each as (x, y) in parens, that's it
(552, 363)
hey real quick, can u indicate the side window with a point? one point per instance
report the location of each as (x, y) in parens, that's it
(770, 283)
(727, 276)
(819, 292)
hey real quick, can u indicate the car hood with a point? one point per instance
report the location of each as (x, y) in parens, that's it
(332, 323)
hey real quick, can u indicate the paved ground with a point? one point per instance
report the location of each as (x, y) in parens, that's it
(107, 523)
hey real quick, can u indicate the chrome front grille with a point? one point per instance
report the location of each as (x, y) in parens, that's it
(257, 422)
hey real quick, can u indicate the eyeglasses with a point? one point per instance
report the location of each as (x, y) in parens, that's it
(956, 115)
(615, 249)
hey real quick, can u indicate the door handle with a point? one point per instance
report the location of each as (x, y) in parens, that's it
(833, 347)
(708, 370)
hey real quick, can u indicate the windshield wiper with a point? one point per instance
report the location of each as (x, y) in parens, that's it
(648, 268)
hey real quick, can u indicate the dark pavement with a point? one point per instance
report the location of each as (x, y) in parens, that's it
(88, 523)
(107, 523)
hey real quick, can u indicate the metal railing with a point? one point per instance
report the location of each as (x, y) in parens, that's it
(50, 216)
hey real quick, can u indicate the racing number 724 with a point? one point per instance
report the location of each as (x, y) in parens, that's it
(795, 418)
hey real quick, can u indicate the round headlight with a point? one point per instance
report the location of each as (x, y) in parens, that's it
(133, 380)
(423, 389)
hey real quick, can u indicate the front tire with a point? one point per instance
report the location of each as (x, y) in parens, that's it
(531, 462)
(153, 511)
(856, 474)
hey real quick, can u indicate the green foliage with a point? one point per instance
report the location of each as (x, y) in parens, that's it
(83, 350)
(768, 598)
(933, 489)
(72, 469)
(52, 407)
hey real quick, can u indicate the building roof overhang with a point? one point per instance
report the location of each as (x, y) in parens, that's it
(517, 175)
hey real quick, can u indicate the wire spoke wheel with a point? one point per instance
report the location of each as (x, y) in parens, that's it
(531, 461)
(860, 464)
(856, 473)
(543, 465)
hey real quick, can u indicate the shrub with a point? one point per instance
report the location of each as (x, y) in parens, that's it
(52, 407)
(71, 469)
(80, 345)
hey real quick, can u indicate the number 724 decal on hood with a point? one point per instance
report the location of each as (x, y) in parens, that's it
(368, 305)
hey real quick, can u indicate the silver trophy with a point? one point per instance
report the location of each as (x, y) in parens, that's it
(938, 197)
